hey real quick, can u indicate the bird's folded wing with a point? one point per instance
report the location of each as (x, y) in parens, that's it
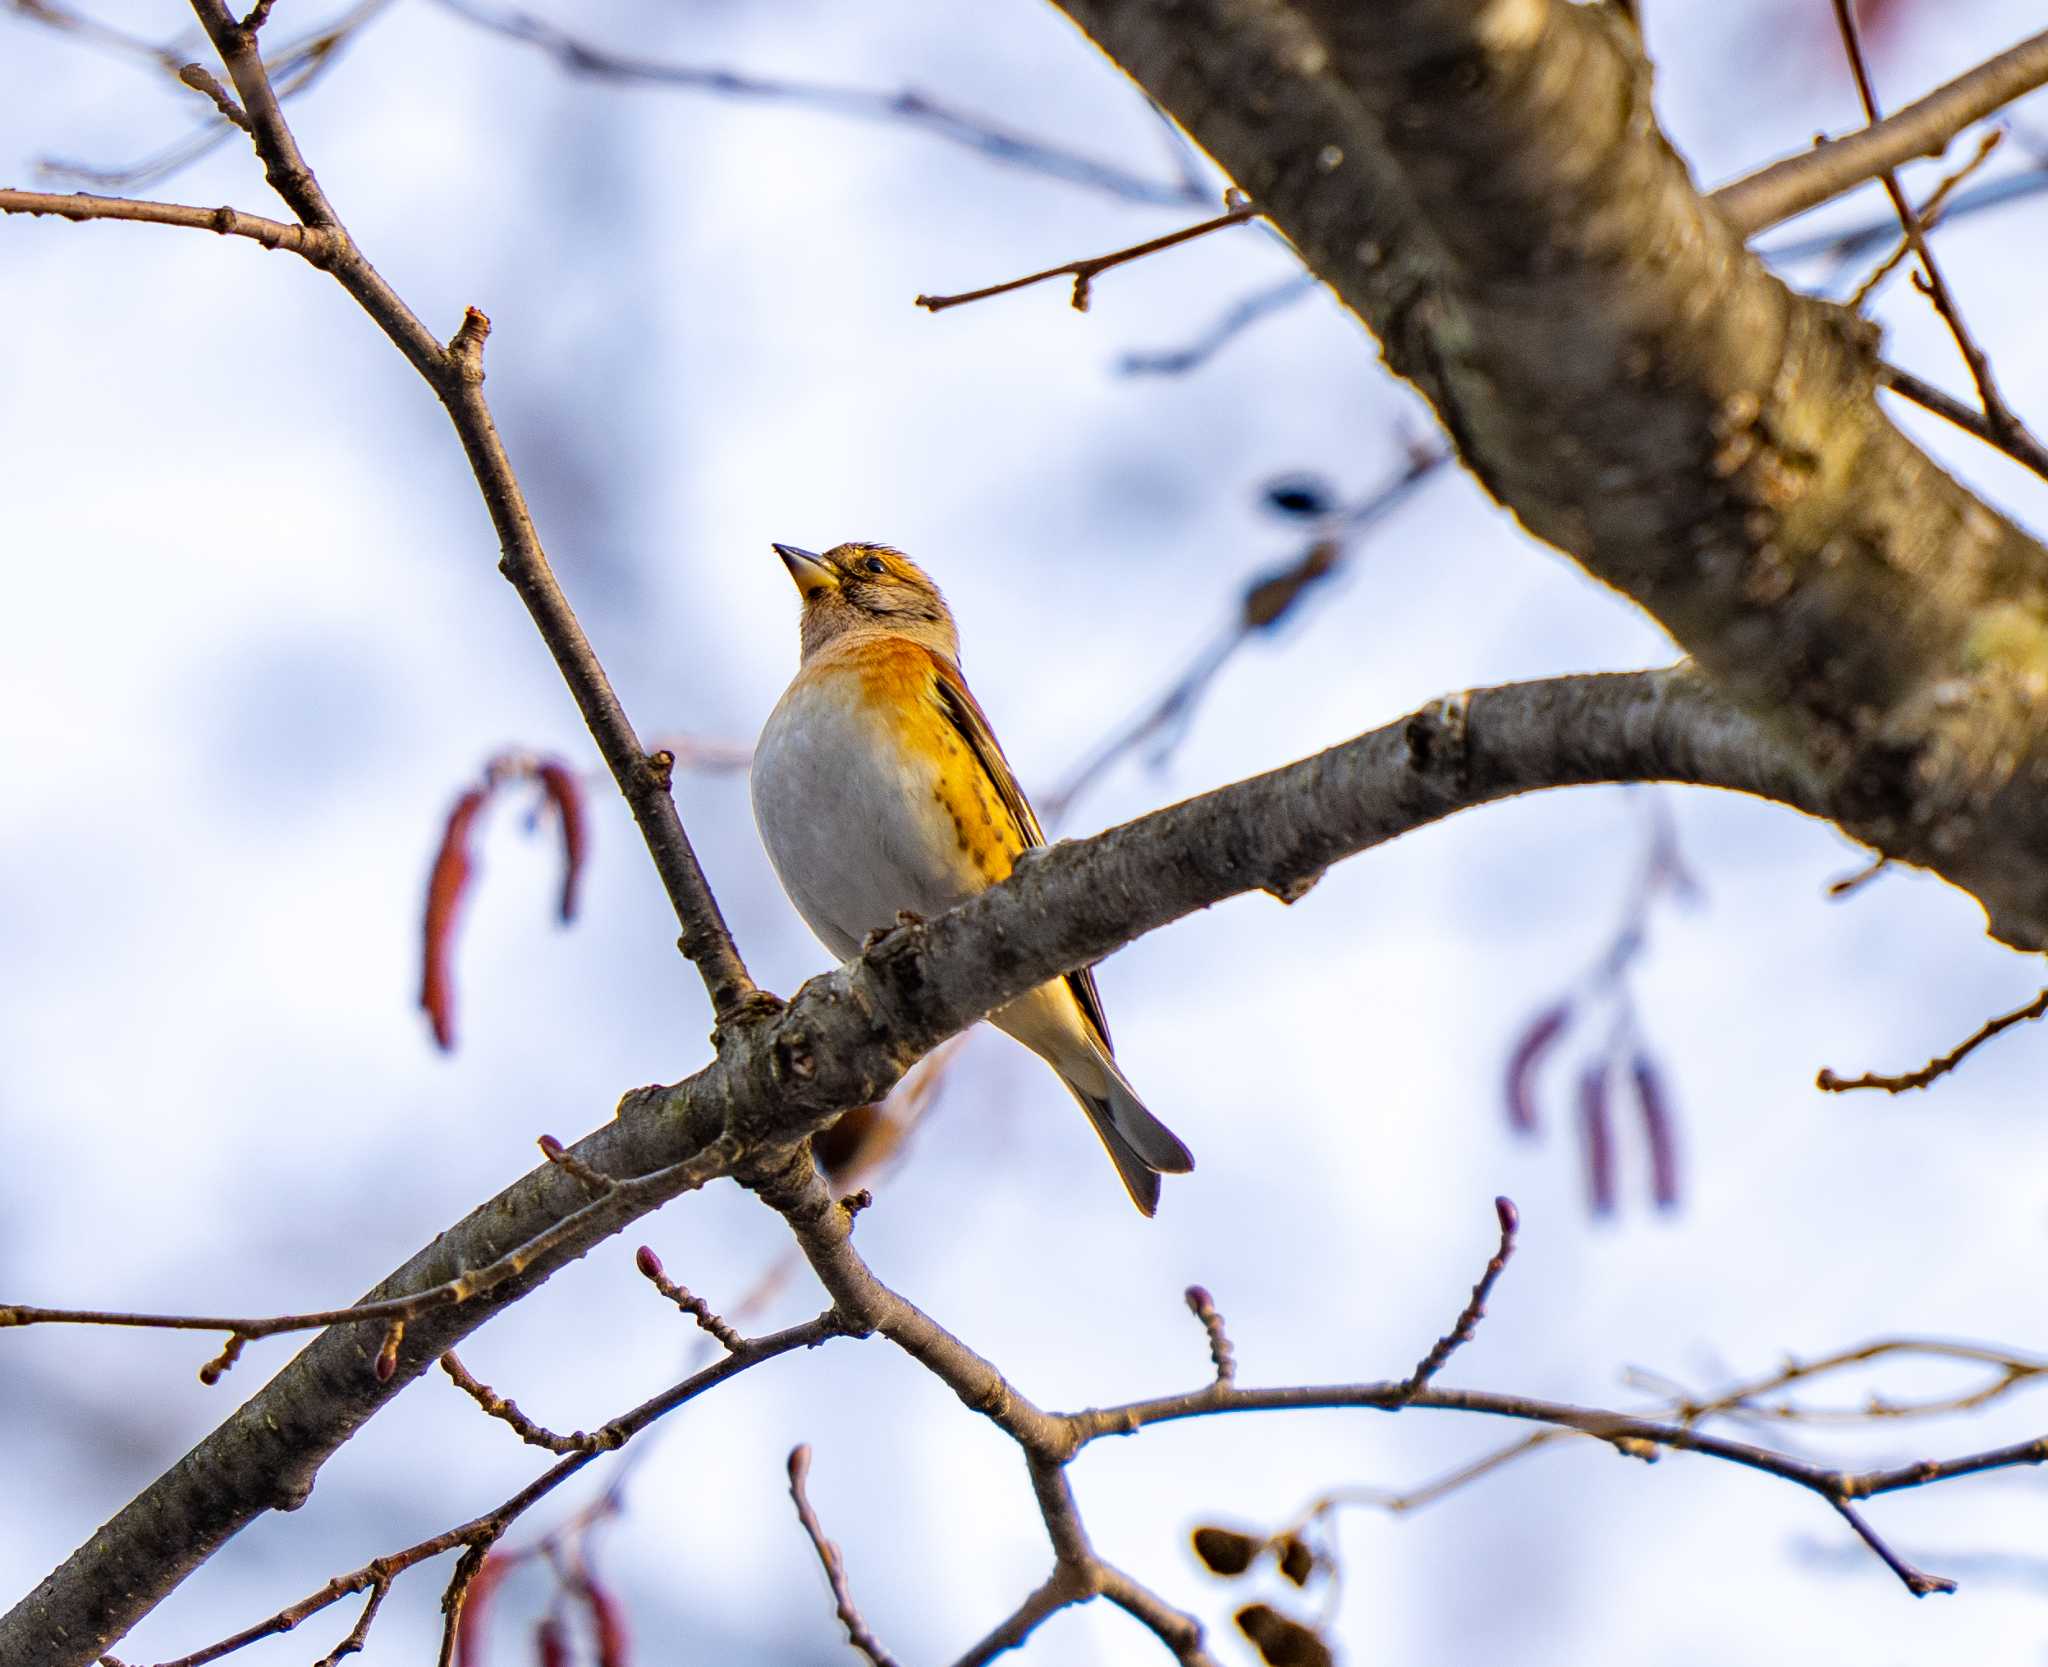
(967, 717)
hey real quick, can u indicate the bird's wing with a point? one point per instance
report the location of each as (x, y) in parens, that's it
(964, 712)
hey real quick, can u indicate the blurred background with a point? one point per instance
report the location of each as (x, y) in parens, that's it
(257, 645)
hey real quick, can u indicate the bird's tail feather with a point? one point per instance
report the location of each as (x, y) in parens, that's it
(1139, 1144)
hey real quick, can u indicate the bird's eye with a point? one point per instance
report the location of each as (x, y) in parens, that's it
(875, 564)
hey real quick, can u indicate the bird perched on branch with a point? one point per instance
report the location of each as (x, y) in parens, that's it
(879, 788)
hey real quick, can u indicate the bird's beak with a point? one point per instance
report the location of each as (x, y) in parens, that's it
(809, 571)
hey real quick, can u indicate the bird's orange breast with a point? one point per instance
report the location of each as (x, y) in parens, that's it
(895, 685)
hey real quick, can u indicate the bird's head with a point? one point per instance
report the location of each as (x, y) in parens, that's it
(870, 589)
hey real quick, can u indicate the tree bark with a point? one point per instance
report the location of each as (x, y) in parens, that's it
(1483, 183)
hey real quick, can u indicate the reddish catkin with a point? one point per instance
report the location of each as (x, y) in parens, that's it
(565, 793)
(1534, 1044)
(446, 887)
(607, 1619)
(1596, 1138)
(1660, 1130)
(551, 1643)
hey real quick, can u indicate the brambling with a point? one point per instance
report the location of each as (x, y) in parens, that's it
(879, 788)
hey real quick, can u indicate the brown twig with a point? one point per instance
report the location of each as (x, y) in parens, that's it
(696, 1307)
(1939, 1066)
(2010, 1371)
(1085, 272)
(1934, 286)
(1474, 1310)
(598, 1186)
(313, 243)
(857, 1631)
(621, 1195)
(1741, 1400)
(1849, 884)
(1797, 183)
(293, 67)
(2017, 444)
(359, 1634)
(456, 375)
(1221, 1355)
(1925, 218)
(1050, 1441)
(479, 1534)
(1268, 599)
(201, 80)
(507, 1411)
(584, 57)
(1917, 1581)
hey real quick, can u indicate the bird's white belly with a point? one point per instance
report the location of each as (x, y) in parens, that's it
(851, 822)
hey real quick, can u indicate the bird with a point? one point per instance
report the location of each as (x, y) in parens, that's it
(879, 788)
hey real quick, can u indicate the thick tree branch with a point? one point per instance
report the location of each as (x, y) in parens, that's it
(1483, 183)
(846, 1038)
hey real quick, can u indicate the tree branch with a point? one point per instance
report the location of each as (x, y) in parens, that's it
(1791, 186)
(834, 1565)
(847, 1036)
(1084, 272)
(314, 243)
(1483, 183)
(480, 1533)
(456, 375)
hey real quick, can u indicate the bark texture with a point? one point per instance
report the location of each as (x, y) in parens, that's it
(847, 1036)
(1484, 184)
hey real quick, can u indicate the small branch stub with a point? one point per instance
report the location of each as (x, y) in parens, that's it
(466, 346)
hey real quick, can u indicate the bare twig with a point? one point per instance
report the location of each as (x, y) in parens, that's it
(360, 1632)
(53, 15)
(1474, 1310)
(1996, 413)
(312, 242)
(1085, 272)
(1235, 319)
(696, 1307)
(1917, 1581)
(1925, 218)
(619, 1196)
(1221, 1355)
(201, 80)
(2009, 1370)
(2017, 444)
(294, 67)
(857, 1631)
(1942, 1064)
(580, 56)
(1849, 884)
(507, 1411)
(1268, 599)
(1797, 183)
(455, 373)
(479, 1534)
